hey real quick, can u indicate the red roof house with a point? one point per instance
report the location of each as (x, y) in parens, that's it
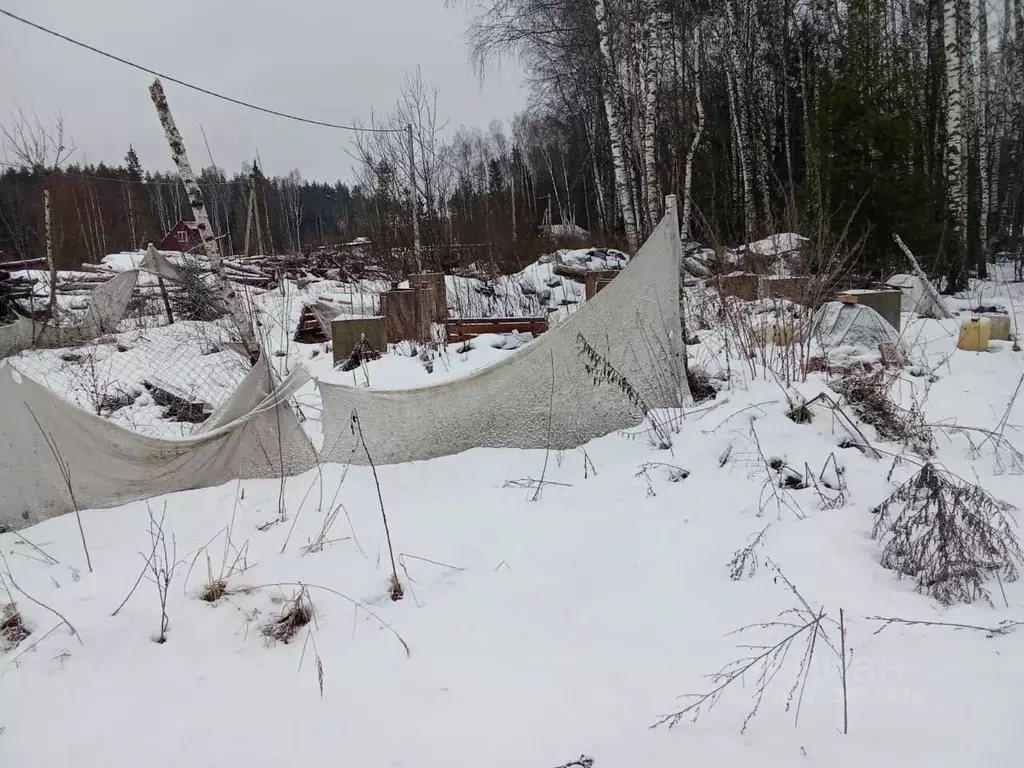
(183, 237)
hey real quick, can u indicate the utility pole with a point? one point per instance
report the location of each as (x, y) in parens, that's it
(414, 201)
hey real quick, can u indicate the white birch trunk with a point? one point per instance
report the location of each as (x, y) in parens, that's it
(684, 222)
(602, 206)
(741, 124)
(983, 133)
(653, 61)
(810, 156)
(195, 197)
(615, 128)
(954, 128)
(935, 306)
(743, 160)
(968, 121)
(512, 185)
(50, 261)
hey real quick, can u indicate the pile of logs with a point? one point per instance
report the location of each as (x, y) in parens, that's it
(13, 288)
(28, 292)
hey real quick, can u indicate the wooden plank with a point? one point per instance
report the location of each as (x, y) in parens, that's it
(469, 328)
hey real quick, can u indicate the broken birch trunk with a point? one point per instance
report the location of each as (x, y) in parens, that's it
(937, 307)
(195, 198)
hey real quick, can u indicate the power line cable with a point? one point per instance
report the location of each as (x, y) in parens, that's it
(200, 89)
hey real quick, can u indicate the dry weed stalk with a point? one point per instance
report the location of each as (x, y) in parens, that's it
(603, 372)
(394, 585)
(949, 535)
(675, 474)
(318, 663)
(65, 473)
(802, 628)
(745, 561)
(163, 563)
(535, 496)
(779, 479)
(1004, 627)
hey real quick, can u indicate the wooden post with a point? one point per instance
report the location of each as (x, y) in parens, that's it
(202, 219)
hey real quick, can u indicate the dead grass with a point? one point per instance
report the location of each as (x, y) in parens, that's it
(12, 627)
(296, 614)
(214, 591)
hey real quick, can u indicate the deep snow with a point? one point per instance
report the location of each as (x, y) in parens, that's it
(539, 626)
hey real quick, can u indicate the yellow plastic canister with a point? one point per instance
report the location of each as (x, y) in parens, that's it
(974, 334)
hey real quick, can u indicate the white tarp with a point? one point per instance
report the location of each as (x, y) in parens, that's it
(837, 324)
(108, 305)
(254, 434)
(159, 265)
(543, 395)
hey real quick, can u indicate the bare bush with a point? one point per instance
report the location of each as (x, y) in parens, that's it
(949, 535)
(196, 297)
(868, 394)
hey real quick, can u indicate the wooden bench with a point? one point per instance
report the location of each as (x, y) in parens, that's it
(470, 327)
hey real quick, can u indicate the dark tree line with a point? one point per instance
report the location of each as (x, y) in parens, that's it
(845, 120)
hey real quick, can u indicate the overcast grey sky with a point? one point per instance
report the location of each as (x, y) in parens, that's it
(331, 60)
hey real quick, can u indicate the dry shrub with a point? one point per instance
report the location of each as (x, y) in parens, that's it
(196, 298)
(701, 388)
(297, 613)
(12, 627)
(949, 535)
(214, 591)
(868, 394)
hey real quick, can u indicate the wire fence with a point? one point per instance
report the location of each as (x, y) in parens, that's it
(171, 358)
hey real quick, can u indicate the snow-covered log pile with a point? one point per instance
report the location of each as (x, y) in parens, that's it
(777, 255)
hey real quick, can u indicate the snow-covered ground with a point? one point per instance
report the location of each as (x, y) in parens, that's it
(539, 627)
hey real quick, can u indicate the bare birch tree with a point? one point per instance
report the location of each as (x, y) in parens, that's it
(622, 187)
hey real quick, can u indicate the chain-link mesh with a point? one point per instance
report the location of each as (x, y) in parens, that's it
(170, 358)
(148, 375)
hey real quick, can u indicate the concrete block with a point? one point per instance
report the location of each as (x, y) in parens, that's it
(795, 289)
(886, 303)
(1000, 328)
(743, 286)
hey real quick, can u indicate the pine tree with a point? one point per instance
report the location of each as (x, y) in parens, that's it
(132, 165)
